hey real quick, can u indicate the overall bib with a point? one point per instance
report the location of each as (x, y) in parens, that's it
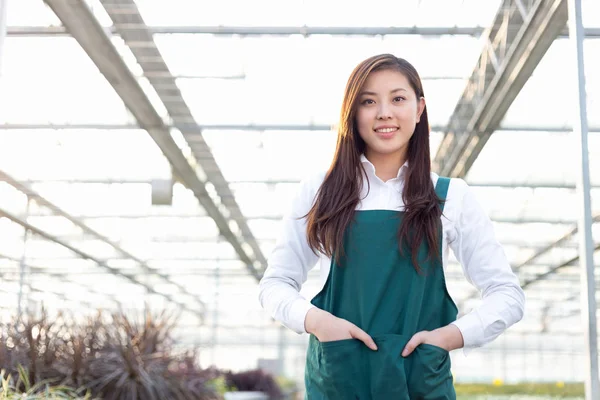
(379, 290)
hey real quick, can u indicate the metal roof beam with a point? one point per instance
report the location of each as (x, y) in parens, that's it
(234, 274)
(131, 26)
(515, 43)
(57, 211)
(85, 28)
(109, 181)
(62, 275)
(57, 294)
(261, 127)
(565, 238)
(543, 250)
(271, 240)
(42, 31)
(278, 217)
(552, 270)
(83, 255)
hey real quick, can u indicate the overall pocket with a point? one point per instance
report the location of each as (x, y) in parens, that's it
(334, 370)
(429, 376)
(387, 368)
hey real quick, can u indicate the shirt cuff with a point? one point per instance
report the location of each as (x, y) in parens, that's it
(298, 311)
(471, 328)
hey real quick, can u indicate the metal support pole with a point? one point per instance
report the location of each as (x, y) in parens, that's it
(2, 29)
(504, 355)
(23, 267)
(586, 248)
(215, 316)
(281, 349)
(525, 358)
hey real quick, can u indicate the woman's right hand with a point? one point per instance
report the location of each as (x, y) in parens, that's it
(328, 328)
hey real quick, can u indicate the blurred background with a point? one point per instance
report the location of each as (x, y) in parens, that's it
(148, 150)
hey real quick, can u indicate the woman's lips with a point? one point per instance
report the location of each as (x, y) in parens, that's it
(386, 132)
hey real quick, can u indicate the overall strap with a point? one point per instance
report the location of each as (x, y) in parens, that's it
(441, 189)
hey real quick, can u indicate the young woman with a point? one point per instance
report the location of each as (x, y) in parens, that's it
(380, 223)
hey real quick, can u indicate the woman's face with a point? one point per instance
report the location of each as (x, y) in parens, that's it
(387, 112)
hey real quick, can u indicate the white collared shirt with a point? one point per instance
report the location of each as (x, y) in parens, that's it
(467, 230)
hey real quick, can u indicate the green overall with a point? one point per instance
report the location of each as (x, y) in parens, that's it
(379, 290)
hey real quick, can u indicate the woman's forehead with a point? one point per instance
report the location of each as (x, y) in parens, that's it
(385, 81)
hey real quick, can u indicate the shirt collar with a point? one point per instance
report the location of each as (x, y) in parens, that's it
(371, 167)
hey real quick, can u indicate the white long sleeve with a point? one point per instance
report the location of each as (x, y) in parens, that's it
(468, 232)
(486, 266)
(290, 262)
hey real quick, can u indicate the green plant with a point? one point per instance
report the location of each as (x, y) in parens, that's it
(35, 344)
(254, 380)
(116, 356)
(557, 390)
(137, 362)
(218, 385)
(42, 390)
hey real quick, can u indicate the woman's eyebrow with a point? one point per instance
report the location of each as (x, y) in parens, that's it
(367, 93)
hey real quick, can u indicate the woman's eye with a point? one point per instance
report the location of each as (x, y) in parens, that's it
(399, 98)
(367, 101)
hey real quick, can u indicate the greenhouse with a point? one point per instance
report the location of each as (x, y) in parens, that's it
(150, 152)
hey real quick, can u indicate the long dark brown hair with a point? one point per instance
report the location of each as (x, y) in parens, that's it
(339, 194)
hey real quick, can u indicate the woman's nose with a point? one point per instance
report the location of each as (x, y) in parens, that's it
(384, 111)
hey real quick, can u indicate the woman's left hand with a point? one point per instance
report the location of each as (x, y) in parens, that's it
(448, 338)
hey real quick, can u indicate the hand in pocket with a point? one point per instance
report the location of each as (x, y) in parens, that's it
(328, 328)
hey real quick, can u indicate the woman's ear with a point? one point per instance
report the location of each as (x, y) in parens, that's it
(420, 108)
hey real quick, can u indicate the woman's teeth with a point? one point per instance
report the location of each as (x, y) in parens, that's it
(386, 130)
